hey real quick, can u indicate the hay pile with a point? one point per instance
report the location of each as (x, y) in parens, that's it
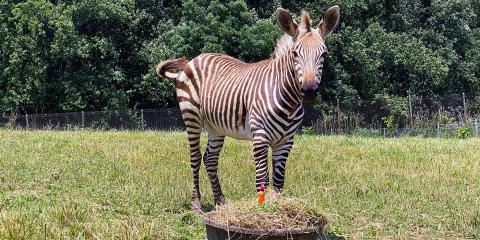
(278, 212)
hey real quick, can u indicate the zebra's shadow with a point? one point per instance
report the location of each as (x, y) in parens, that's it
(326, 235)
(207, 207)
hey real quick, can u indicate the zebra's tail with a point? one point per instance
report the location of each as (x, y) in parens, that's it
(165, 68)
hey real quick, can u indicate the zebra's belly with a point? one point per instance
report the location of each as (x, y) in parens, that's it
(239, 131)
(244, 134)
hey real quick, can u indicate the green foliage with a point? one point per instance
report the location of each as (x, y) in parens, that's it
(396, 106)
(388, 121)
(308, 130)
(464, 131)
(100, 54)
(207, 26)
(443, 117)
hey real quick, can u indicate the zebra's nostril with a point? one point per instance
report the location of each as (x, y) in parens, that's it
(307, 90)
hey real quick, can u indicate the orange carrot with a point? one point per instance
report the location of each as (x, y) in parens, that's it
(261, 195)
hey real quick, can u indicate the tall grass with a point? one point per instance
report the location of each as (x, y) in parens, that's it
(102, 185)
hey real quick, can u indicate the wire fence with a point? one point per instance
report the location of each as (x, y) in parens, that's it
(143, 119)
(445, 116)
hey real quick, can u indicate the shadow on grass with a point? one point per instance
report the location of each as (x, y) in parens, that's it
(208, 207)
(330, 236)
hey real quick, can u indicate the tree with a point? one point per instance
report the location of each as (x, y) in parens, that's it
(64, 55)
(208, 26)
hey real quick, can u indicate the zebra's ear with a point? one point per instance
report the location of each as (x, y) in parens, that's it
(305, 22)
(286, 23)
(329, 21)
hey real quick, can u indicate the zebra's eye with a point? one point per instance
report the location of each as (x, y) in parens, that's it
(295, 54)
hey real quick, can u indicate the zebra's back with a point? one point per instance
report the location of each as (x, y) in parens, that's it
(223, 89)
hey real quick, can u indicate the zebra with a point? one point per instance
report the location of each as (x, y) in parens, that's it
(260, 102)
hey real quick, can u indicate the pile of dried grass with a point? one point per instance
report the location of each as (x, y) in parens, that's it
(277, 213)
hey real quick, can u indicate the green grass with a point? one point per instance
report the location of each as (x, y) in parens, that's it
(130, 185)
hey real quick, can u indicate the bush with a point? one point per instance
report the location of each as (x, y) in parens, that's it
(389, 124)
(308, 130)
(464, 131)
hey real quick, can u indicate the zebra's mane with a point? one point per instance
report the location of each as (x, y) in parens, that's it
(283, 44)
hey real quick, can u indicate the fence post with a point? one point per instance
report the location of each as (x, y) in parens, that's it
(338, 116)
(438, 129)
(464, 108)
(410, 111)
(476, 127)
(83, 119)
(26, 120)
(142, 121)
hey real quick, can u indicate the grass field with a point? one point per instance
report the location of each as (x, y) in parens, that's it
(130, 185)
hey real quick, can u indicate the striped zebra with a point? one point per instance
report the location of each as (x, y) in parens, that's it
(260, 102)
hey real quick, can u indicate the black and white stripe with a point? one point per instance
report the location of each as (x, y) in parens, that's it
(260, 102)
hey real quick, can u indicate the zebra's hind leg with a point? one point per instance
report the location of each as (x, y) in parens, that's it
(210, 159)
(279, 158)
(194, 131)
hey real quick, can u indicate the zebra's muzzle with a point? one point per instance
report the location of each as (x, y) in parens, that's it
(309, 91)
(309, 95)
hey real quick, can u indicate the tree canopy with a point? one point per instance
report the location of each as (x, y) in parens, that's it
(64, 55)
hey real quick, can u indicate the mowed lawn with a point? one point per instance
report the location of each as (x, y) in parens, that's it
(131, 185)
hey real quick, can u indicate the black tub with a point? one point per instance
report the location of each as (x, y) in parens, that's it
(221, 231)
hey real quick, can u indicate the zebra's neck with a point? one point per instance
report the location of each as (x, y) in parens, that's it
(287, 88)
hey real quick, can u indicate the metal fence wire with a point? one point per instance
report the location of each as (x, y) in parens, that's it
(393, 116)
(143, 119)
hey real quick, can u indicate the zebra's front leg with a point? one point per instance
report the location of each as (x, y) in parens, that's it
(260, 156)
(210, 158)
(279, 159)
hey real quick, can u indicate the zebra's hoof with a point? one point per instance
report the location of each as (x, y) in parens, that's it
(278, 190)
(220, 201)
(275, 194)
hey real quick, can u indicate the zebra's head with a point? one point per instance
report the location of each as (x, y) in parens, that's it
(306, 44)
